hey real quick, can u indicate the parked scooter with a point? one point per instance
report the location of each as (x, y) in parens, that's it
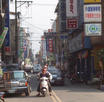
(44, 86)
(78, 78)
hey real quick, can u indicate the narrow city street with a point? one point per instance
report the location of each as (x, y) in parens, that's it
(67, 93)
(60, 40)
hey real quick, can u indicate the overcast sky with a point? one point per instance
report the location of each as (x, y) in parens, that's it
(42, 12)
(37, 17)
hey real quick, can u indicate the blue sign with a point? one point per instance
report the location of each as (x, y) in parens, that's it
(93, 9)
(63, 37)
(7, 39)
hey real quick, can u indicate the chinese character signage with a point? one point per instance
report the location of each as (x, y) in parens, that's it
(93, 29)
(92, 1)
(72, 24)
(43, 48)
(50, 45)
(7, 38)
(71, 8)
(92, 13)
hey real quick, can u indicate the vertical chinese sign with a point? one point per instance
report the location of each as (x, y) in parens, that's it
(71, 14)
(7, 39)
(50, 45)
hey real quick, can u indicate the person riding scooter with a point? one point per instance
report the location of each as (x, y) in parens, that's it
(44, 73)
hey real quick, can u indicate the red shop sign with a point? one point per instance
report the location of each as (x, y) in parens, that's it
(72, 24)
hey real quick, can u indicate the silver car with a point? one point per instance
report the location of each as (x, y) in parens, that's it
(37, 68)
(17, 82)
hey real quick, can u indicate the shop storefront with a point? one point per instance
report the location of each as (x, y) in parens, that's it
(81, 53)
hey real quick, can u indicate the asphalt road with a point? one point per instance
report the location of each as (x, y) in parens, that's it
(67, 93)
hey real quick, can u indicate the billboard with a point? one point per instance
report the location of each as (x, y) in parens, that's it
(71, 8)
(93, 29)
(71, 24)
(92, 1)
(92, 13)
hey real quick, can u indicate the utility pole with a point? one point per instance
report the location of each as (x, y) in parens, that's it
(16, 34)
(16, 27)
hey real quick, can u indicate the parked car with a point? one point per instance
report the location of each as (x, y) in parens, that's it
(37, 68)
(17, 82)
(57, 76)
(11, 67)
(28, 68)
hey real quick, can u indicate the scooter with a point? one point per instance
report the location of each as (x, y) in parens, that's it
(44, 86)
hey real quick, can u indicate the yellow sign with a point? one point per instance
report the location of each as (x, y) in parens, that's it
(92, 1)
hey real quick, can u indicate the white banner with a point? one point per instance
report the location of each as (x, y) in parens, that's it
(92, 13)
(93, 29)
(44, 48)
(71, 8)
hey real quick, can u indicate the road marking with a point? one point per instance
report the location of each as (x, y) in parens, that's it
(56, 97)
(54, 100)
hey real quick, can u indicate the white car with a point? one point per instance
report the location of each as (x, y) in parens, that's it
(37, 68)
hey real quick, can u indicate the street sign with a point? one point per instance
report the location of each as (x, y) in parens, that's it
(93, 29)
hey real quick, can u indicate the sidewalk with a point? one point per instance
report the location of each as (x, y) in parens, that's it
(94, 86)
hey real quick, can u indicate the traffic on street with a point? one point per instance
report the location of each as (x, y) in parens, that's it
(51, 51)
(66, 93)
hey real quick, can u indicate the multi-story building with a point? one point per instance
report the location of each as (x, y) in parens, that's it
(4, 27)
(72, 41)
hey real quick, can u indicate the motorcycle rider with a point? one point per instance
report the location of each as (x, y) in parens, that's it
(44, 73)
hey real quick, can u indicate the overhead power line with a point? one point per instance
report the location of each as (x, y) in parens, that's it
(38, 4)
(35, 26)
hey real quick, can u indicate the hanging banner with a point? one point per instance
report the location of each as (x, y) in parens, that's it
(50, 45)
(92, 1)
(93, 29)
(71, 8)
(92, 13)
(7, 39)
(43, 47)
